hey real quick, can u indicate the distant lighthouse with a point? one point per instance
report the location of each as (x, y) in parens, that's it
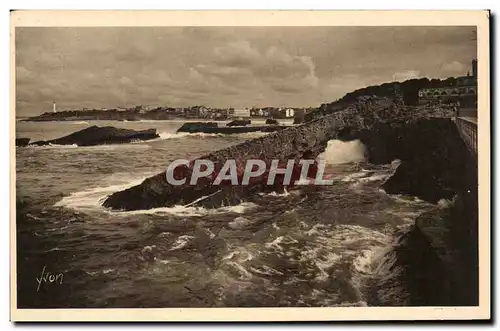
(54, 106)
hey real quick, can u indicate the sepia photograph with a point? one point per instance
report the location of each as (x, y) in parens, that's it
(263, 160)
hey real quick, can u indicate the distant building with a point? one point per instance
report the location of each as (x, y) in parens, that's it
(289, 112)
(241, 113)
(464, 91)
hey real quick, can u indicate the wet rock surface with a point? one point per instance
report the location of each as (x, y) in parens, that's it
(95, 135)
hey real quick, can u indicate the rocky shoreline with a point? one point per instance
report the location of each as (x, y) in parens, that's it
(94, 135)
(385, 126)
(436, 261)
(214, 128)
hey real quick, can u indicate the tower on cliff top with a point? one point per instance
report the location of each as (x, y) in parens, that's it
(54, 106)
(474, 68)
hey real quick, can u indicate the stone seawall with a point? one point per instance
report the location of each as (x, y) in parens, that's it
(306, 141)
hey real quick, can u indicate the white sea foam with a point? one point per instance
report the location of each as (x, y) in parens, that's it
(236, 259)
(92, 199)
(374, 178)
(239, 223)
(181, 242)
(173, 135)
(104, 272)
(53, 146)
(356, 176)
(275, 194)
(406, 199)
(327, 245)
(75, 122)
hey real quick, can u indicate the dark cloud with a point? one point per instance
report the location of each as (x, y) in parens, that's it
(225, 66)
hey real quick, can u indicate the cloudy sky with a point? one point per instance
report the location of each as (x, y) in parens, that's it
(225, 66)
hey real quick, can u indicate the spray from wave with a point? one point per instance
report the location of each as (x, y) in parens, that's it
(338, 152)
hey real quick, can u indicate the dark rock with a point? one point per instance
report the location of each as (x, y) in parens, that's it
(194, 127)
(436, 263)
(212, 127)
(22, 142)
(239, 123)
(432, 153)
(299, 116)
(95, 135)
(271, 121)
(434, 160)
(438, 258)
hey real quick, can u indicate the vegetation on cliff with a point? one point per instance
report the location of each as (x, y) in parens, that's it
(407, 91)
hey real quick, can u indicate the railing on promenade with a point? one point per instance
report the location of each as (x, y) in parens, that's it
(468, 130)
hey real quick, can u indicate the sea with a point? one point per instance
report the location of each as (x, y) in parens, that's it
(316, 246)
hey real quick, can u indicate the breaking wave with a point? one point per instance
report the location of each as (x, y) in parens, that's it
(92, 199)
(52, 146)
(338, 152)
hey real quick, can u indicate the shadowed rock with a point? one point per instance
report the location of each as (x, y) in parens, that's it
(193, 127)
(22, 142)
(212, 127)
(95, 135)
(271, 121)
(239, 123)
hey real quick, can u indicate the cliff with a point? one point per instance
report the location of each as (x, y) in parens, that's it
(432, 153)
(435, 263)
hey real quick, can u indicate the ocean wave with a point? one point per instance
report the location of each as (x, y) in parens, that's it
(239, 223)
(338, 152)
(172, 135)
(322, 247)
(75, 122)
(53, 146)
(375, 178)
(102, 272)
(184, 211)
(376, 276)
(236, 260)
(92, 199)
(357, 175)
(406, 199)
(285, 193)
(181, 242)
